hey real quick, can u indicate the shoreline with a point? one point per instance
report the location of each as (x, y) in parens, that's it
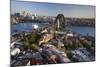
(49, 23)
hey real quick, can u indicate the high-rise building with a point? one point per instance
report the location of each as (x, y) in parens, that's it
(33, 17)
(35, 14)
(17, 14)
(23, 13)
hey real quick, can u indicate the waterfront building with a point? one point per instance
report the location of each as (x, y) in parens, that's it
(14, 19)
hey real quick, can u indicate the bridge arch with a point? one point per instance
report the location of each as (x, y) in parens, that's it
(59, 21)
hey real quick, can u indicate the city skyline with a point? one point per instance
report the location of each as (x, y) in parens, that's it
(52, 9)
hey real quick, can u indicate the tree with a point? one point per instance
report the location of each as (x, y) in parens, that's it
(29, 39)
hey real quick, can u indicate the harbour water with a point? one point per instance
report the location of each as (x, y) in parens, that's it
(27, 27)
(83, 30)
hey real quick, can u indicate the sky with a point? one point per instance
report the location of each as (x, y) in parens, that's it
(52, 9)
